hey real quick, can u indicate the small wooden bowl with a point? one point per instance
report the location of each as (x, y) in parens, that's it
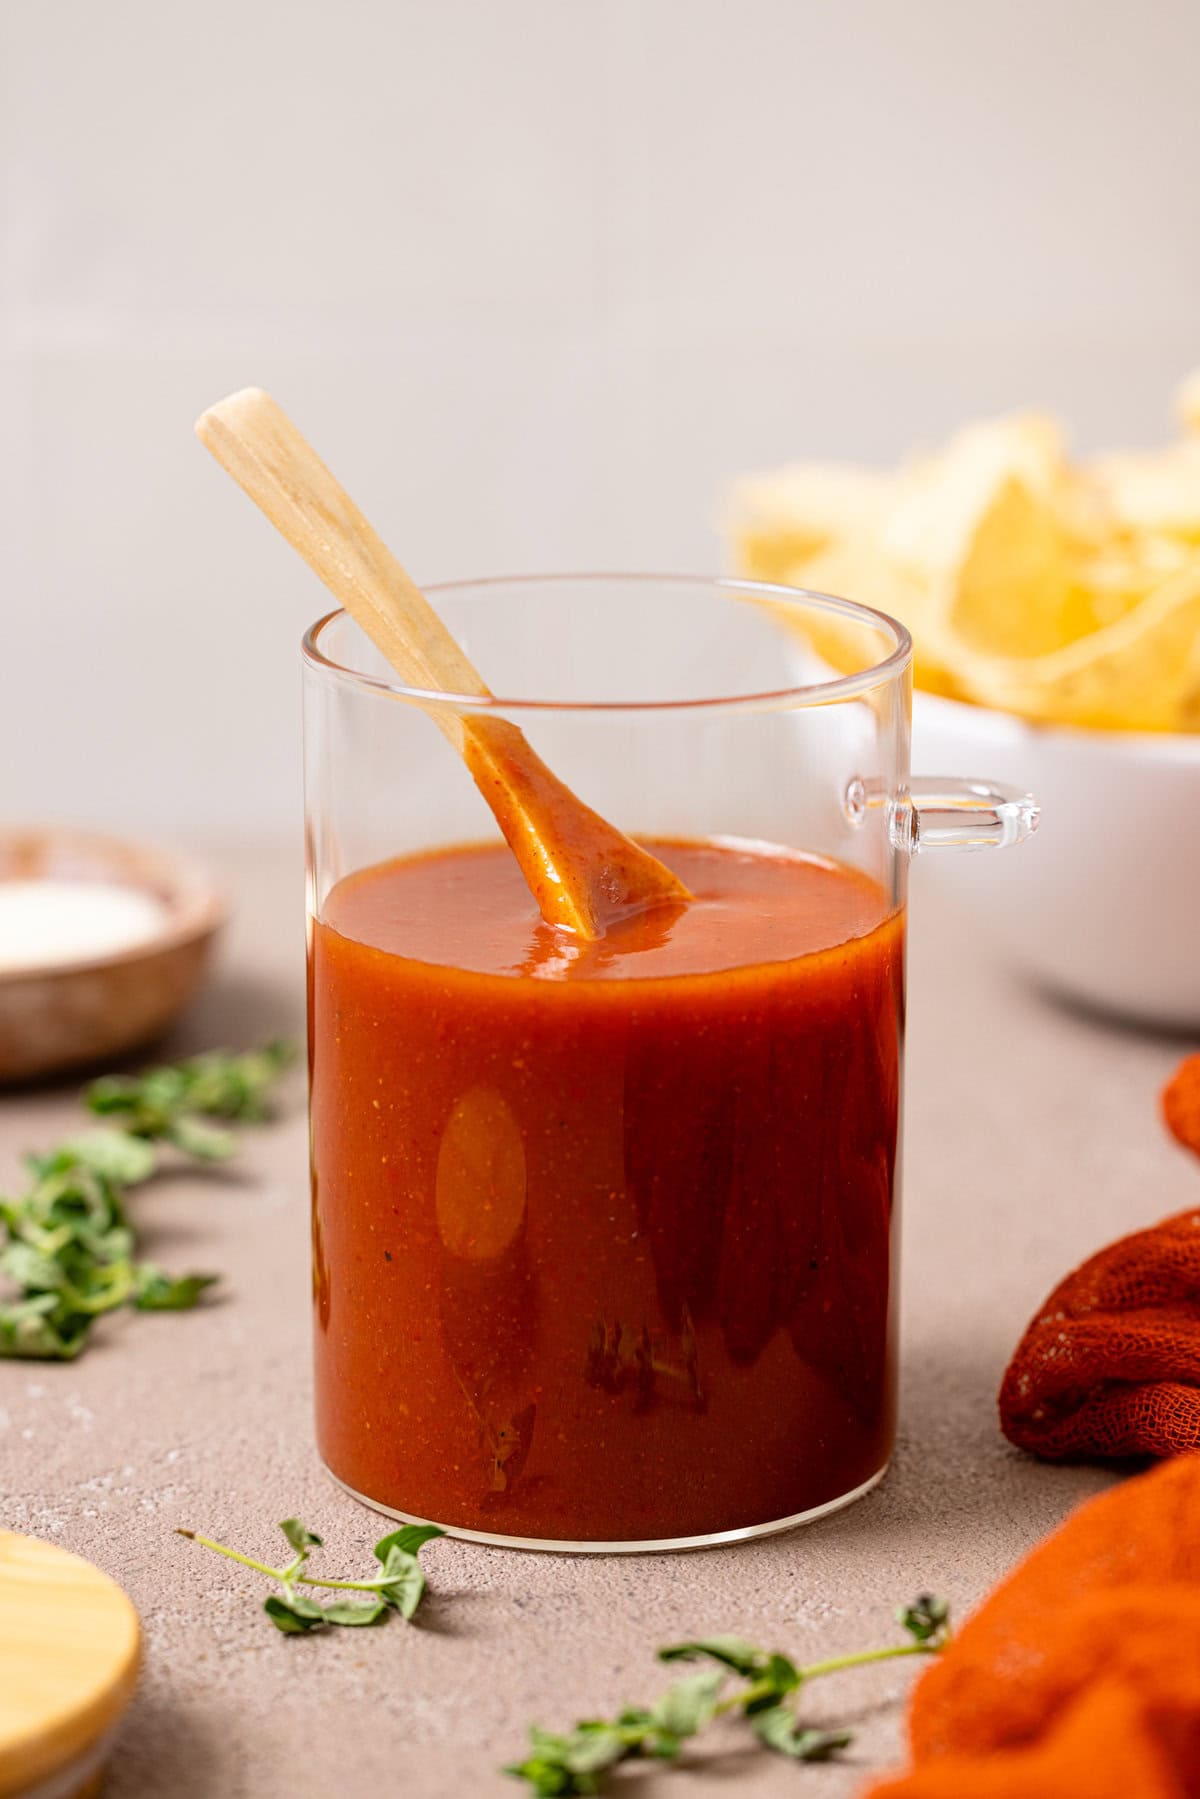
(68, 1014)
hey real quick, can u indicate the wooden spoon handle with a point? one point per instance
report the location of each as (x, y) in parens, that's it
(583, 872)
(256, 442)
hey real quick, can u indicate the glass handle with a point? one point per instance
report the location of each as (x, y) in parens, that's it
(941, 813)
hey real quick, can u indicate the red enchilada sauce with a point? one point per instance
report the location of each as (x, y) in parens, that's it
(603, 1231)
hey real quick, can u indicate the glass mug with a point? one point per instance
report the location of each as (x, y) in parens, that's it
(604, 1236)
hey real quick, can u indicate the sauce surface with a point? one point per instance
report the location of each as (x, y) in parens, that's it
(603, 1233)
(470, 909)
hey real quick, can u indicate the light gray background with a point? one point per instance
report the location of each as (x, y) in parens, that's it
(538, 276)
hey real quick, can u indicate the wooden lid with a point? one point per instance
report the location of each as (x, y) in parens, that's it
(69, 1652)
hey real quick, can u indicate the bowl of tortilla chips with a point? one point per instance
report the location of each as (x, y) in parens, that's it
(1054, 604)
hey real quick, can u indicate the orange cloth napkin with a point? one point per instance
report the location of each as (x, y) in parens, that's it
(1181, 1104)
(1079, 1678)
(1110, 1366)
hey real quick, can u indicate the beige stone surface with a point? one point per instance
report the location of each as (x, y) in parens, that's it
(1032, 1137)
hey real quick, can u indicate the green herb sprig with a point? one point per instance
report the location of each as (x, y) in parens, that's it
(399, 1586)
(580, 1761)
(173, 1103)
(68, 1243)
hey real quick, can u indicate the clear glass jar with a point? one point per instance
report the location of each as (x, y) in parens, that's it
(604, 1238)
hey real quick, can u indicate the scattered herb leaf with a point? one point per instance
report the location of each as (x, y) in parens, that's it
(207, 1142)
(927, 1618)
(355, 1611)
(158, 1292)
(300, 1537)
(734, 1652)
(409, 1537)
(577, 1761)
(115, 1155)
(398, 1587)
(687, 1707)
(67, 1245)
(217, 1085)
(404, 1583)
(779, 1730)
(292, 1613)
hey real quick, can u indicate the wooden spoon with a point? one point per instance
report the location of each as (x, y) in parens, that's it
(584, 874)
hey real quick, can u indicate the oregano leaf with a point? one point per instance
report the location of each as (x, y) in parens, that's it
(778, 1729)
(293, 1614)
(299, 1535)
(355, 1611)
(689, 1705)
(732, 1652)
(410, 1538)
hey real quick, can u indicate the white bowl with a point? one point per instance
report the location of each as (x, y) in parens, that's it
(1103, 906)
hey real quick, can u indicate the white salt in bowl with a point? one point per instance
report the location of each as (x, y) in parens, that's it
(102, 943)
(1102, 906)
